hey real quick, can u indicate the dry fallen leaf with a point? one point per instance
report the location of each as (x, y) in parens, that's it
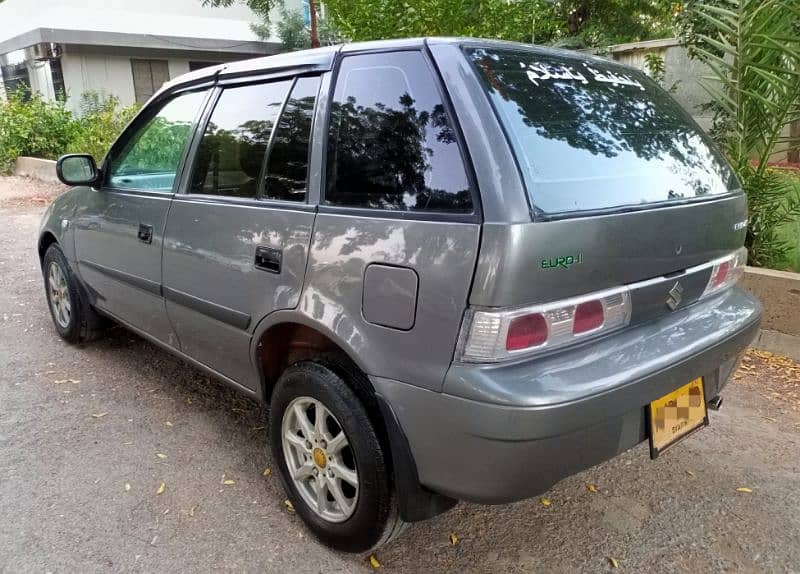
(161, 455)
(266, 472)
(161, 488)
(591, 487)
(191, 510)
(228, 482)
(545, 502)
(744, 489)
(127, 487)
(453, 539)
(289, 505)
(613, 561)
(373, 561)
(99, 415)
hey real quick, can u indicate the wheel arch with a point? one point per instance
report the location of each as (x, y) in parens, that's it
(285, 338)
(46, 239)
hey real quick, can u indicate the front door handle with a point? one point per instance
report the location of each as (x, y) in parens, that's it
(145, 233)
(269, 259)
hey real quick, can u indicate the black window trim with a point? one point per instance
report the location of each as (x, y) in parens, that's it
(148, 112)
(474, 216)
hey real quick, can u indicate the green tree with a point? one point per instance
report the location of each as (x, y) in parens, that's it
(294, 35)
(752, 48)
(568, 22)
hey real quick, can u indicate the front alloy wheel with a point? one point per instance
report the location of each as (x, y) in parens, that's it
(58, 291)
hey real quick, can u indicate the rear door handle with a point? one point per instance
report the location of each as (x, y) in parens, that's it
(145, 233)
(269, 259)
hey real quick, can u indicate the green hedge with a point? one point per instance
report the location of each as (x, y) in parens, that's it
(31, 126)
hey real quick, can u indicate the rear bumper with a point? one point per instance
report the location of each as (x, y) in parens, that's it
(503, 433)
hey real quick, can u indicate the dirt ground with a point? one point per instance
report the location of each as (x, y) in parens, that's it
(88, 435)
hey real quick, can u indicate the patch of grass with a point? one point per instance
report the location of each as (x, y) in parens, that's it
(790, 232)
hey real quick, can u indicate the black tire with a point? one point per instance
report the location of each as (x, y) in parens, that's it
(375, 519)
(84, 323)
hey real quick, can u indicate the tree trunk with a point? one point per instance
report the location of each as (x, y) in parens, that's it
(794, 142)
(314, 33)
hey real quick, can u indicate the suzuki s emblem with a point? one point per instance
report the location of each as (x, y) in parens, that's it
(675, 296)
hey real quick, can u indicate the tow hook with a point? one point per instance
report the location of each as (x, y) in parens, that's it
(716, 403)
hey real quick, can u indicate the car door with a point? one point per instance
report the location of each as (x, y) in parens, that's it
(120, 227)
(237, 238)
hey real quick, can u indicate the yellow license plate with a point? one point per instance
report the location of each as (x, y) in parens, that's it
(676, 415)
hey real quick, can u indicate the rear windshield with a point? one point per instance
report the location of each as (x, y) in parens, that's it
(591, 135)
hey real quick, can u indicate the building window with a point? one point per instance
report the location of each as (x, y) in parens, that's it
(148, 77)
(16, 77)
(57, 75)
(193, 66)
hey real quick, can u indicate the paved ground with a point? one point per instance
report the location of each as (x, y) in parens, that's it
(80, 469)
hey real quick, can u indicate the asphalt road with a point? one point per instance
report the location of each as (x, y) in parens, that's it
(81, 463)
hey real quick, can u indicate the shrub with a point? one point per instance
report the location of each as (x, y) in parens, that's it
(33, 126)
(101, 121)
(752, 48)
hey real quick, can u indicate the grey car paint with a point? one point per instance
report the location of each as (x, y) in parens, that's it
(535, 422)
(214, 292)
(123, 271)
(449, 411)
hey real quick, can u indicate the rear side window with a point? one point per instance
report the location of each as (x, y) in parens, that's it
(593, 135)
(391, 144)
(287, 167)
(232, 152)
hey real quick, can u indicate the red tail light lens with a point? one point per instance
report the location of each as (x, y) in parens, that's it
(491, 335)
(588, 317)
(526, 332)
(720, 274)
(726, 271)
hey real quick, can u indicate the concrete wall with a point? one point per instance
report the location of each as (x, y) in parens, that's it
(779, 292)
(44, 169)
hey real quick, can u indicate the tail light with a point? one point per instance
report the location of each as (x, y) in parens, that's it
(726, 272)
(490, 336)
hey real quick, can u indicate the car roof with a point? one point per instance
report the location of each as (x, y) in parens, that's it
(322, 59)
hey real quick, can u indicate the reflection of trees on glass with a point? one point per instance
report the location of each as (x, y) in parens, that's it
(387, 148)
(231, 153)
(600, 111)
(287, 166)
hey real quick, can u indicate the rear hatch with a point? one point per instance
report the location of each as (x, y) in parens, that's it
(624, 187)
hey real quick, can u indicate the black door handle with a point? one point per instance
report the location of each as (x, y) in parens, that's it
(269, 259)
(145, 233)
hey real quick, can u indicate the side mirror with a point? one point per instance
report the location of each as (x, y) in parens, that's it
(77, 169)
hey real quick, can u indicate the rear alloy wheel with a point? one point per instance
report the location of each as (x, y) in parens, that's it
(320, 459)
(332, 464)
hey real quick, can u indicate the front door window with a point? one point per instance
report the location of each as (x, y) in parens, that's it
(150, 158)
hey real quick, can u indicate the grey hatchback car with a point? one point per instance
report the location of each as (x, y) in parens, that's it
(455, 269)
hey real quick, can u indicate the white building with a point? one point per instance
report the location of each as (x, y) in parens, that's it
(119, 47)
